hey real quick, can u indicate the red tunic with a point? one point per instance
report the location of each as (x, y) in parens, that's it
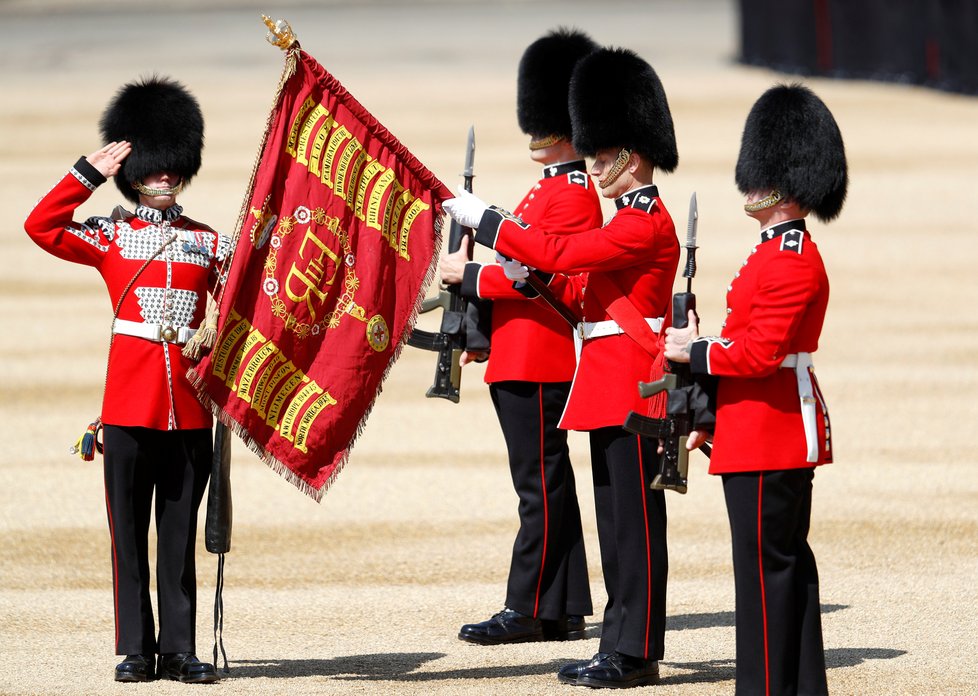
(530, 341)
(639, 251)
(146, 382)
(775, 306)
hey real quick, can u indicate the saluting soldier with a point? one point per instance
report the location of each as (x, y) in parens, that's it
(619, 277)
(158, 266)
(772, 426)
(531, 365)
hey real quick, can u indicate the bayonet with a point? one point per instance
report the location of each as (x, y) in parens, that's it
(469, 172)
(691, 224)
(682, 302)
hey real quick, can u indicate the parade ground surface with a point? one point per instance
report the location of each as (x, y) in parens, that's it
(364, 593)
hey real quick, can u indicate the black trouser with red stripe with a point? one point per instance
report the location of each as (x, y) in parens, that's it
(548, 573)
(779, 628)
(632, 533)
(175, 464)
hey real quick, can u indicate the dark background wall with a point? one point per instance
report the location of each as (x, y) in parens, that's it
(925, 42)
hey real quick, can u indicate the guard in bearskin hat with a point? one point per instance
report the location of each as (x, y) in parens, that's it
(532, 363)
(163, 124)
(618, 279)
(772, 425)
(158, 266)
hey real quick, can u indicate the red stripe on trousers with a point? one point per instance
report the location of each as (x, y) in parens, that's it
(546, 506)
(648, 547)
(760, 567)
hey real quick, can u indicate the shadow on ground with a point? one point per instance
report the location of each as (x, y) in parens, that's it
(722, 619)
(404, 667)
(382, 667)
(721, 670)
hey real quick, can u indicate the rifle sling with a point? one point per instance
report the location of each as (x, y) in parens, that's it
(547, 295)
(625, 314)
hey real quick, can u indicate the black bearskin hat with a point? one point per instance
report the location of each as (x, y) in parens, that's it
(792, 143)
(165, 126)
(617, 101)
(544, 78)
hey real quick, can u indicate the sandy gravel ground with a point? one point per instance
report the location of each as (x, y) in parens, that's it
(365, 592)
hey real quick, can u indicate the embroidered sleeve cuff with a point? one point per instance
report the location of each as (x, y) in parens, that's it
(488, 228)
(470, 279)
(699, 357)
(87, 174)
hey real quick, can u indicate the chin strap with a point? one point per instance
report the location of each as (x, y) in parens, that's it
(768, 201)
(545, 142)
(146, 191)
(616, 169)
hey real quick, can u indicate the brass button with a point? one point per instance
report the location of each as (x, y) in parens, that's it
(169, 334)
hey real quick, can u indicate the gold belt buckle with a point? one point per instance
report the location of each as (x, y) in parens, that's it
(169, 334)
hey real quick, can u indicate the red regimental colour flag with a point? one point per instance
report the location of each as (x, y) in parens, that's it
(336, 244)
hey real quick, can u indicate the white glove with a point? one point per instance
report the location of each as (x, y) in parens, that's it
(513, 269)
(466, 209)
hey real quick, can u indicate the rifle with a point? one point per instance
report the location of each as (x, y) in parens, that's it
(459, 327)
(689, 403)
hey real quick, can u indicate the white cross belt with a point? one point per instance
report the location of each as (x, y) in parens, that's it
(801, 363)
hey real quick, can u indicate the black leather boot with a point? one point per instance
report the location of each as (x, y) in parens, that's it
(507, 626)
(568, 674)
(136, 668)
(186, 668)
(620, 671)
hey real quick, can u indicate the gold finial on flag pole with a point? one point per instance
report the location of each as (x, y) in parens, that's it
(279, 33)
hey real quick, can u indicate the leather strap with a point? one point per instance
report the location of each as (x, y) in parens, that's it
(801, 363)
(621, 309)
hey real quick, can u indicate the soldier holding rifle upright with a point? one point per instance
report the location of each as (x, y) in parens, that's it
(622, 286)
(772, 426)
(531, 365)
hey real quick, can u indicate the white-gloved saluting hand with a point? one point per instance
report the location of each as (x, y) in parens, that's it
(513, 269)
(466, 209)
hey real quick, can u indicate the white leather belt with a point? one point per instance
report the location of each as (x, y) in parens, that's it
(153, 332)
(599, 329)
(801, 363)
(587, 330)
